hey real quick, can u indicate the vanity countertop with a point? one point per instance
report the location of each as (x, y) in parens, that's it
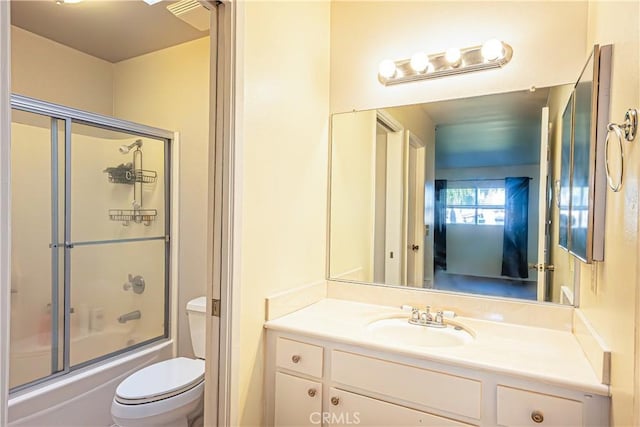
(547, 355)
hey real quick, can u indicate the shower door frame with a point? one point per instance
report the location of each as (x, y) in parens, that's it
(67, 115)
(5, 202)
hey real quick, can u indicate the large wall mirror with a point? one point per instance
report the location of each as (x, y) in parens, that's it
(462, 195)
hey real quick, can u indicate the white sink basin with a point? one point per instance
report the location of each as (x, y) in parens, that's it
(400, 331)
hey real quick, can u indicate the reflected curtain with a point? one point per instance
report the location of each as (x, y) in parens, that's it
(440, 232)
(516, 228)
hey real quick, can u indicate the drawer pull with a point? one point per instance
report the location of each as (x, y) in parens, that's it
(537, 417)
(295, 358)
(335, 401)
(311, 392)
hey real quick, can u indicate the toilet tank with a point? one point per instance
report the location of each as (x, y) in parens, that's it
(196, 310)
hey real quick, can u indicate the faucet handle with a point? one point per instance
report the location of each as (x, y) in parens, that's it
(439, 317)
(415, 314)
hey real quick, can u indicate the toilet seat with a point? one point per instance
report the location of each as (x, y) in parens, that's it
(160, 381)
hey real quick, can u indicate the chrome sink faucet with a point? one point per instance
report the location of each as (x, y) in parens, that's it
(426, 318)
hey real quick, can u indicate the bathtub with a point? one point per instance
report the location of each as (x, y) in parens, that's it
(30, 357)
(81, 398)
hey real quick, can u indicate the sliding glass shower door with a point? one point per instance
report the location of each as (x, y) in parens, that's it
(90, 230)
(37, 144)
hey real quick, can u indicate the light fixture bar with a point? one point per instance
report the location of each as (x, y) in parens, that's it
(471, 59)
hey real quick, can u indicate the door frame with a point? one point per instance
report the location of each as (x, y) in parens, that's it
(542, 204)
(220, 407)
(417, 185)
(393, 127)
(221, 135)
(5, 202)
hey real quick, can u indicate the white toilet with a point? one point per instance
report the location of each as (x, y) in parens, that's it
(167, 393)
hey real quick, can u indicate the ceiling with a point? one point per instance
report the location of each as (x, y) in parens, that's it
(485, 131)
(113, 30)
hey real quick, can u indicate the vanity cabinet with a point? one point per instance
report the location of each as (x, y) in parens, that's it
(312, 382)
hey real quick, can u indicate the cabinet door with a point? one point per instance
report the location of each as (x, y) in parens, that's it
(527, 408)
(349, 408)
(298, 401)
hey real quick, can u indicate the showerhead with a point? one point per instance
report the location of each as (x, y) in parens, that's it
(124, 149)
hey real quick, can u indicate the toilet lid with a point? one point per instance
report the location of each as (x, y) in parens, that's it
(161, 380)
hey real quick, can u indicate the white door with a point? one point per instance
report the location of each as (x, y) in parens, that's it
(415, 211)
(395, 270)
(542, 201)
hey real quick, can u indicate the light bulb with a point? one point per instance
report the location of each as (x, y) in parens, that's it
(492, 50)
(452, 55)
(419, 62)
(387, 69)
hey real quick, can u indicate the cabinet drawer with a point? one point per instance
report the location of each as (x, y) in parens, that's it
(350, 408)
(526, 408)
(299, 357)
(298, 401)
(450, 393)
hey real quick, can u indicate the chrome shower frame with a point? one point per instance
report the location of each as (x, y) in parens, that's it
(60, 113)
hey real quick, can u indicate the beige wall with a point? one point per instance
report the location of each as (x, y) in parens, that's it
(282, 131)
(608, 290)
(363, 33)
(170, 89)
(52, 72)
(353, 170)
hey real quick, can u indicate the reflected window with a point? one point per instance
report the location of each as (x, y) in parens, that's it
(476, 203)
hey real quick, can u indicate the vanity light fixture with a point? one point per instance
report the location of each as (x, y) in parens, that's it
(453, 56)
(420, 63)
(492, 54)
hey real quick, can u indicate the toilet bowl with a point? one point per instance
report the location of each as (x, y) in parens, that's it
(167, 393)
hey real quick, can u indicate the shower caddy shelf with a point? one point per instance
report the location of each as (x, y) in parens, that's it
(133, 215)
(123, 175)
(132, 174)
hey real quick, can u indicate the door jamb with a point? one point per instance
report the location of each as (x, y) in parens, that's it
(5, 202)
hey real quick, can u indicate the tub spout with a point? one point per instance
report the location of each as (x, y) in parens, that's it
(129, 316)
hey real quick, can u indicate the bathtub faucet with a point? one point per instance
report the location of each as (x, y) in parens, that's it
(130, 316)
